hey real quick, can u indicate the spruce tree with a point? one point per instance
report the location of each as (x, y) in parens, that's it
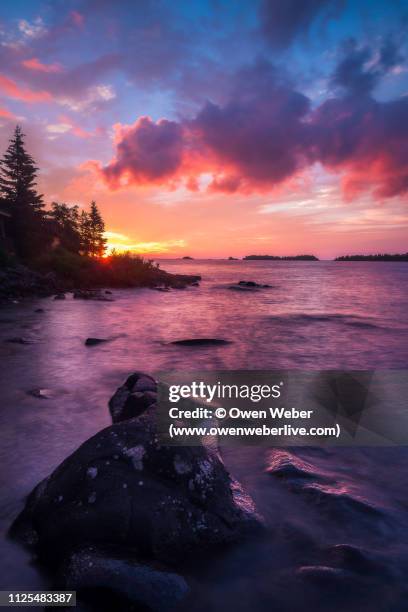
(97, 240)
(84, 232)
(18, 174)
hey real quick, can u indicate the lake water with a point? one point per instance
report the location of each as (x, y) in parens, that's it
(339, 542)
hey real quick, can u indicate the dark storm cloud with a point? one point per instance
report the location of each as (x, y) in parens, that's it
(361, 68)
(146, 152)
(283, 20)
(266, 133)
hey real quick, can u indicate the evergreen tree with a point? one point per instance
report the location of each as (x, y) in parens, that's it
(18, 174)
(96, 226)
(84, 232)
(65, 226)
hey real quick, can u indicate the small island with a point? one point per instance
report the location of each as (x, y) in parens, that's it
(187, 257)
(375, 257)
(285, 258)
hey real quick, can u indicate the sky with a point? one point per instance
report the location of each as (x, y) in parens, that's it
(217, 128)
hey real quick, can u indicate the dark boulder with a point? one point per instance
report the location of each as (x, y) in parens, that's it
(94, 341)
(134, 397)
(122, 581)
(123, 489)
(60, 296)
(19, 281)
(201, 342)
(91, 294)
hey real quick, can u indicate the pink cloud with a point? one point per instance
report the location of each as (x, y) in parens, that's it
(145, 152)
(77, 18)
(266, 135)
(6, 114)
(35, 64)
(12, 90)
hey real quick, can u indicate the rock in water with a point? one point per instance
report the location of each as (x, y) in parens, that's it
(134, 397)
(94, 341)
(41, 393)
(133, 583)
(125, 491)
(201, 342)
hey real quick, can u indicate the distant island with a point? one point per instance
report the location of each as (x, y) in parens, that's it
(187, 257)
(287, 258)
(232, 258)
(375, 257)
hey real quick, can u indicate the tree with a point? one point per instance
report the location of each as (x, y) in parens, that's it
(84, 232)
(18, 174)
(65, 226)
(96, 232)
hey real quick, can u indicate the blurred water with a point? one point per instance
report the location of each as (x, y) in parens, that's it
(316, 315)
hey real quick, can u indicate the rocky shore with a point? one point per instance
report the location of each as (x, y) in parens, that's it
(122, 517)
(18, 282)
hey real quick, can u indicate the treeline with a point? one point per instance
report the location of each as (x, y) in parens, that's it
(285, 258)
(375, 257)
(34, 231)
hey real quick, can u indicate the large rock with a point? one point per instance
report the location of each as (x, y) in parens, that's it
(133, 397)
(123, 489)
(129, 583)
(19, 281)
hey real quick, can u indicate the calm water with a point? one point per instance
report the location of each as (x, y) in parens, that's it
(317, 315)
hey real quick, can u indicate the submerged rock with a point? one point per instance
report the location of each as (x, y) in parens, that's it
(94, 341)
(92, 294)
(287, 466)
(131, 583)
(20, 340)
(201, 342)
(248, 286)
(41, 393)
(60, 296)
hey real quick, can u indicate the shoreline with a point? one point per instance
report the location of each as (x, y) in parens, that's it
(20, 282)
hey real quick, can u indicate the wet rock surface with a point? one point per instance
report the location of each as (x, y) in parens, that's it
(92, 294)
(19, 281)
(125, 512)
(133, 397)
(91, 570)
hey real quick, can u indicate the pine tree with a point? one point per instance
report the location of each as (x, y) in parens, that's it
(96, 226)
(18, 174)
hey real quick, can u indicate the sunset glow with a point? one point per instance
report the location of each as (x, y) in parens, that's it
(216, 130)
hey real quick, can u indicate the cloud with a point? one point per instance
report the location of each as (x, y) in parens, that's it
(146, 152)
(77, 18)
(35, 64)
(267, 133)
(12, 90)
(284, 20)
(361, 68)
(6, 114)
(365, 140)
(33, 29)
